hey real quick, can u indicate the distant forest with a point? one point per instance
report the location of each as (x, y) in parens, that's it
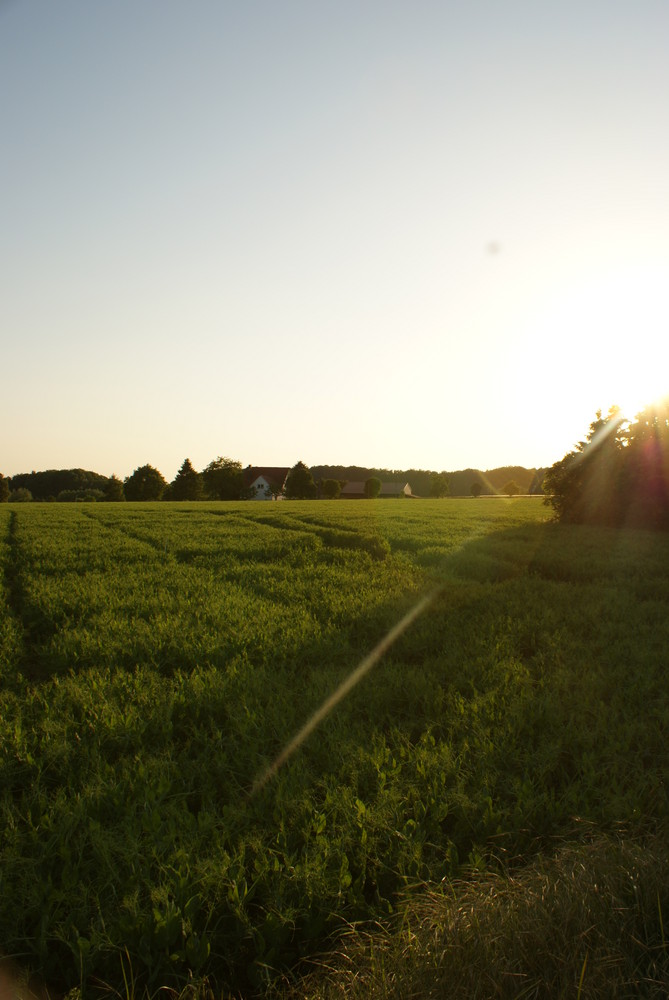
(81, 484)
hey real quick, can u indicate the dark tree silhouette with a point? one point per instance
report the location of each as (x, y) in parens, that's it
(146, 483)
(582, 487)
(187, 484)
(300, 483)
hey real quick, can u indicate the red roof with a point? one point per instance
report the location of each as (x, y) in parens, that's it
(275, 475)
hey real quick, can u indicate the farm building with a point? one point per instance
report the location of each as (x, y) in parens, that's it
(266, 483)
(356, 491)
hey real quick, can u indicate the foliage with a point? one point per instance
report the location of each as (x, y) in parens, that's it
(187, 484)
(512, 489)
(223, 479)
(78, 496)
(476, 489)
(146, 483)
(20, 495)
(48, 484)
(330, 488)
(644, 484)
(154, 661)
(300, 483)
(113, 490)
(439, 485)
(618, 475)
(420, 480)
(4, 489)
(372, 487)
(589, 914)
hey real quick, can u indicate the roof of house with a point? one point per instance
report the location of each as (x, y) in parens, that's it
(387, 489)
(273, 474)
(394, 487)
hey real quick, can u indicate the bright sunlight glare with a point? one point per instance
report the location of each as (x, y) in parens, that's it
(614, 327)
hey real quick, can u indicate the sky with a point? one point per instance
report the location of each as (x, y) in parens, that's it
(393, 234)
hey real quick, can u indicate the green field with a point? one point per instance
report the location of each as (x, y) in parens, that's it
(156, 659)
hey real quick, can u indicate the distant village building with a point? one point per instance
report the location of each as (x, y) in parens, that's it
(268, 483)
(356, 491)
(265, 483)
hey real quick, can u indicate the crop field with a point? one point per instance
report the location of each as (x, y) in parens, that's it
(157, 659)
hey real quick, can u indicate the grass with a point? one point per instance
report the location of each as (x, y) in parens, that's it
(156, 659)
(584, 922)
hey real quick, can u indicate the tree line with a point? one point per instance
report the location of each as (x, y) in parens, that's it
(223, 479)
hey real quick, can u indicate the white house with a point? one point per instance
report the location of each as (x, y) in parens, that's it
(266, 483)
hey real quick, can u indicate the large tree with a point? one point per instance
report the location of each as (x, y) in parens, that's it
(439, 484)
(146, 483)
(619, 475)
(187, 484)
(300, 483)
(4, 489)
(223, 479)
(584, 486)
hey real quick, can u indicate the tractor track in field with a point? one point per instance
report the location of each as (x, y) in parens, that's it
(12, 573)
(32, 626)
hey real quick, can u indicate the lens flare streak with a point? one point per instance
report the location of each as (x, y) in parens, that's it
(344, 688)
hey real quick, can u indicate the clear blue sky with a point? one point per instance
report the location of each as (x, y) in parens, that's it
(429, 234)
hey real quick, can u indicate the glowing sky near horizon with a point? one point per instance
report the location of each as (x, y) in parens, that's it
(427, 234)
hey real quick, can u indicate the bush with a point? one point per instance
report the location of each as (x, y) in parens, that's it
(372, 487)
(20, 495)
(79, 496)
(330, 488)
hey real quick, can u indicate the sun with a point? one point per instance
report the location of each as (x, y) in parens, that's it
(633, 401)
(609, 337)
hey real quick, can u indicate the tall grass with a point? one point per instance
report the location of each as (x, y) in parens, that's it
(585, 922)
